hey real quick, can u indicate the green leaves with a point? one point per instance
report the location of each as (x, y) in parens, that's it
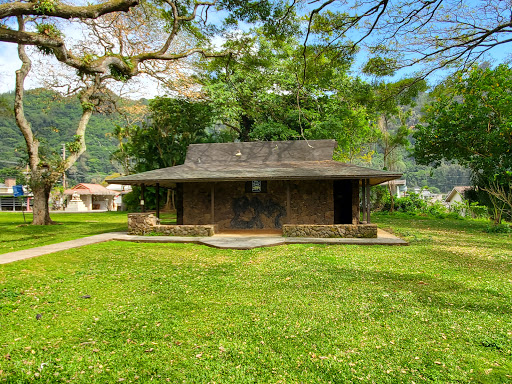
(470, 120)
(44, 6)
(51, 31)
(75, 145)
(380, 66)
(266, 92)
(162, 141)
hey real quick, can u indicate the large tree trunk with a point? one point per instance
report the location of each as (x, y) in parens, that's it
(43, 176)
(41, 209)
(245, 128)
(37, 184)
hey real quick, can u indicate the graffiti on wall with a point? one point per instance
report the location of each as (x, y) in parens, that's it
(249, 212)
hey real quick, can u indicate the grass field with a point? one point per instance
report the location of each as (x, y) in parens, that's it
(16, 234)
(436, 311)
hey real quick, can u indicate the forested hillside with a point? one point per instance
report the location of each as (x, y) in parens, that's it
(54, 120)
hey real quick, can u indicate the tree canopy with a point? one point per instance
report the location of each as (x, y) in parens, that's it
(162, 140)
(427, 34)
(470, 121)
(265, 93)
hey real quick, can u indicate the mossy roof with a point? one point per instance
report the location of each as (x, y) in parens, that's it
(271, 160)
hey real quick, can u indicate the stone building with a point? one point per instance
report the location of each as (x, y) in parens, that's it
(289, 186)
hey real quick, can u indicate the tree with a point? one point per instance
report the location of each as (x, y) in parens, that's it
(162, 140)
(470, 121)
(53, 119)
(393, 104)
(254, 91)
(45, 172)
(124, 45)
(264, 93)
(427, 34)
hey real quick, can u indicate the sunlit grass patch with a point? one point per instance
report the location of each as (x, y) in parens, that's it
(436, 311)
(16, 234)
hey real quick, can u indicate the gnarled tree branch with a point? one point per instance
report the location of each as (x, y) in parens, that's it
(63, 11)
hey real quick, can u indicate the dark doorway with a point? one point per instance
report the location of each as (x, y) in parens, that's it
(179, 203)
(342, 194)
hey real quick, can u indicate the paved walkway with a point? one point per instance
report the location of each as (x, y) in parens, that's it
(227, 241)
(45, 249)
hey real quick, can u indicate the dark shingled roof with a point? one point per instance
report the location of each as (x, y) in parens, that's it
(269, 160)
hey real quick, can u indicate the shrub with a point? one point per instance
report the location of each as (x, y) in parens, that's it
(498, 228)
(473, 210)
(436, 209)
(411, 203)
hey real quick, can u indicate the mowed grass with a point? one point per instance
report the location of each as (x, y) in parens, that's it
(16, 235)
(438, 310)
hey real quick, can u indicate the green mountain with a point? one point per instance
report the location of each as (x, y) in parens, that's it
(54, 119)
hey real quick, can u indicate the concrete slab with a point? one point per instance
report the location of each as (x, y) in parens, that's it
(223, 241)
(240, 242)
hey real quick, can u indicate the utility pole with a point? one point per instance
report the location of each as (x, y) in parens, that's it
(64, 172)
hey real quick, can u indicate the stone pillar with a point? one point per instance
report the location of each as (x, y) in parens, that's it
(141, 223)
(288, 204)
(212, 203)
(363, 198)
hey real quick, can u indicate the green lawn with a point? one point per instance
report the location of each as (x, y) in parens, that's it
(15, 234)
(436, 311)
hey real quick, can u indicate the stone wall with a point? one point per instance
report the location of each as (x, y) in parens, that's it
(237, 209)
(326, 231)
(184, 230)
(141, 223)
(197, 203)
(147, 223)
(311, 202)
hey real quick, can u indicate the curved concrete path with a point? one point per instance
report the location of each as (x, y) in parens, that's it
(228, 241)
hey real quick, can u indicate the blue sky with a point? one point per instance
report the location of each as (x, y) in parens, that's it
(9, 63)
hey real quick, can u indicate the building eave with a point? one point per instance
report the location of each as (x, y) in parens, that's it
(317, 170)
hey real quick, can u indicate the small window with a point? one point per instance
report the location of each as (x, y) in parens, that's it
(256, 186)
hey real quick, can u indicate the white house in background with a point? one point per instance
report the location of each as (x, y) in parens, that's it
(398, 187)
(93, 196)
(428, 196)
(120, 191)
(456, 195)
(7, 200)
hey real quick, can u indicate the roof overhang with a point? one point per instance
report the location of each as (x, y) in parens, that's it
(306, 170)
